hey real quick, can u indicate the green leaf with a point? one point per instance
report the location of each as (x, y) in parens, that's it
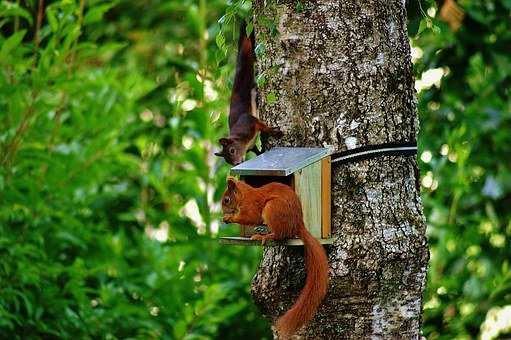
(299, 7)
(220, 42)
(11, 43)
(96, 13)
(423, 25)
(11, 9)
(250, 28)
(52, 19)
(261, 80)
(271, 97)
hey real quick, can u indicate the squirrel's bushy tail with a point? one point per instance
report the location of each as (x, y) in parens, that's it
(244, 80)
(316, 264)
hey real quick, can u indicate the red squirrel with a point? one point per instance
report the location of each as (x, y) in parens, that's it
(278, 206)
(243, 124)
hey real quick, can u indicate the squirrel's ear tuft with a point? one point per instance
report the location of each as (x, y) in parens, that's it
(231, 183)
(225, 141)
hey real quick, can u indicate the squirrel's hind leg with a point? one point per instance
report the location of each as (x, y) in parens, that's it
(272, 131)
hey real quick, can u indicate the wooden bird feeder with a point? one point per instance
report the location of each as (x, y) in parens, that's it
(308, 172)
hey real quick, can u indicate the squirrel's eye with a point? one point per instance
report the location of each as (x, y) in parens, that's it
(227, 200)
(231, 150)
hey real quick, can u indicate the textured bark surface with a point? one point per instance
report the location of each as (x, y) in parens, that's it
(341, 74)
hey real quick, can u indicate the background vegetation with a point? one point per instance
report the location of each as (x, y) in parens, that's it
(109, 113)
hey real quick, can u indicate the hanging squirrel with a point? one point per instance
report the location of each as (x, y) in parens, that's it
(278, 206)
(243, 123)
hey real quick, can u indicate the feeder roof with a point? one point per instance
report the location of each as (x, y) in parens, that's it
(280, 161)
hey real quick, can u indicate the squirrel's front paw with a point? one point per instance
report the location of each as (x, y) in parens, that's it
(228, 218)
(263, 238)
(258, 237)
(275, 132)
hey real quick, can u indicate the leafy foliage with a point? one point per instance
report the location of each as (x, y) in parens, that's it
(465, 110)
(107, 180)
(109, 115)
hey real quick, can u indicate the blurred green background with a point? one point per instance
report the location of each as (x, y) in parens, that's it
(109, 190)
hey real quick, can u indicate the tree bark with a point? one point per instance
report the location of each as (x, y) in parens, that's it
(338, 73)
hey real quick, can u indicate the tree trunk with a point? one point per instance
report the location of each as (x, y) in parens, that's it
(338, 73)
